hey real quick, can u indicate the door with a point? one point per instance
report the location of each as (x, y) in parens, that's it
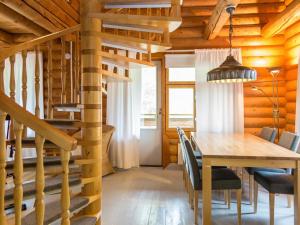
(151, 121)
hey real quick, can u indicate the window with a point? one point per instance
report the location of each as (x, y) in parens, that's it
(149, 98)
(181, 98)
(181, 107)
(181, 74)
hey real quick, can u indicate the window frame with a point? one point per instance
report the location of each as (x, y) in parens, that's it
(179, 84)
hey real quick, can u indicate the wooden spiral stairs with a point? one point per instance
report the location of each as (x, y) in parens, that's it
(59, 181)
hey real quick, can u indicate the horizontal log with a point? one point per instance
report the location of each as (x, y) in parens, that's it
(250, 19)
(263, 51)
(198, 43)
(290, 127)
(241, 9)
(258, 41)
(262, 112)
(291, 96)
(263, 122)
(195, 3)
(290, 118)
(267, 91)
(292, 30)
(291, 107)
(262, 102)
(252, 130)
(267, 61)
(291, 74)
(292, 52)
(262, 83)
(291, 85)
(292, 41)
(291, 61)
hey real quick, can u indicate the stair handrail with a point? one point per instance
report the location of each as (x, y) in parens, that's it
(42, 128)
(7, 52)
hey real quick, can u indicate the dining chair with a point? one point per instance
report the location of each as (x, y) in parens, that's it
(268, 177)
(268, 134)
(222, 179)
(274, 183)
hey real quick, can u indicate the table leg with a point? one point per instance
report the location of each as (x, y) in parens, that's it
(206, 192)
(297, 194)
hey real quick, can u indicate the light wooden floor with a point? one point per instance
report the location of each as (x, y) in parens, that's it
(153, 196)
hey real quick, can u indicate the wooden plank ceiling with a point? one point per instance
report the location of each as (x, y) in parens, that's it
(203, 20)
(204, 24)
(22, 20)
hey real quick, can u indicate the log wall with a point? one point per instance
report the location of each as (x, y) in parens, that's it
(292, 48)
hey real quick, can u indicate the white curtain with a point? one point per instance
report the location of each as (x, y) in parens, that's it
(30, 68)
(219, 107)
(123, 112)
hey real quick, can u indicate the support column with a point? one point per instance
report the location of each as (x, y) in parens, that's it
(91, 96)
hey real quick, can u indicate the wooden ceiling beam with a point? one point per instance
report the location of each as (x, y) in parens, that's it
(195, 3)
(21, 21)
(6, 37)
(218, 18)
(242, 9)
(283, 20)
(22, 8)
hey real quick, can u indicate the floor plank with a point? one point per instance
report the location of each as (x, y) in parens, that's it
(156, 196)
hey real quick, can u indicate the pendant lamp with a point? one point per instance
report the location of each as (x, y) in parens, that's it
(231, 71)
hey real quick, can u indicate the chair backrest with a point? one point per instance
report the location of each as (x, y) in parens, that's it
(268, 133)
(194, 172)
(289, 140)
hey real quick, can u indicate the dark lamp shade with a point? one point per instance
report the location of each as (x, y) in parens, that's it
(231, 71)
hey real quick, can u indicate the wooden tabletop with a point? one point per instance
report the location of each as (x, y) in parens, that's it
(248, 146)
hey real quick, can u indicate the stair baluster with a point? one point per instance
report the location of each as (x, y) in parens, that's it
(50, 81)
(37, 82)
(77, 68)
(12, 89)
(2, 162)
(18, 173)
(40, 180)
(65, 192)
(24, 85)
(63, 71)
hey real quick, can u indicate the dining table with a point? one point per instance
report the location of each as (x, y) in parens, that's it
(242, 150)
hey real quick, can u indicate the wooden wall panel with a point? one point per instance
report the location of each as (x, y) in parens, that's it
(292, 48)
(258, 108)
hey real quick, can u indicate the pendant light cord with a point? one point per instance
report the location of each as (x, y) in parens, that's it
(230, 31)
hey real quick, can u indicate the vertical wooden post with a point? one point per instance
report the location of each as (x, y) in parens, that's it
(37, 82)
(24, 85)
(65, 192)
(77, 68)
(63, 71)
(50, 81)
(18, 173)
(12, 87)
(2, 167)
(40, 180)
(91, 97)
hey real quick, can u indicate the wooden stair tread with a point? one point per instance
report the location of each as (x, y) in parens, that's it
(65, 123)
(68, 107)
(48, 161)
(53, 210)
(90, 220)
(131, 43)
(112, 4)
(30, 143)
(169, 22)
(133, 27)
(52, 184)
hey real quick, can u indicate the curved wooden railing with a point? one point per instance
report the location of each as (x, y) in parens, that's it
(22, 119)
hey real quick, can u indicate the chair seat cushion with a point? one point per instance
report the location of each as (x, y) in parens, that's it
(252, 170)
(197, 154)
(275, 182)
(223, 179)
